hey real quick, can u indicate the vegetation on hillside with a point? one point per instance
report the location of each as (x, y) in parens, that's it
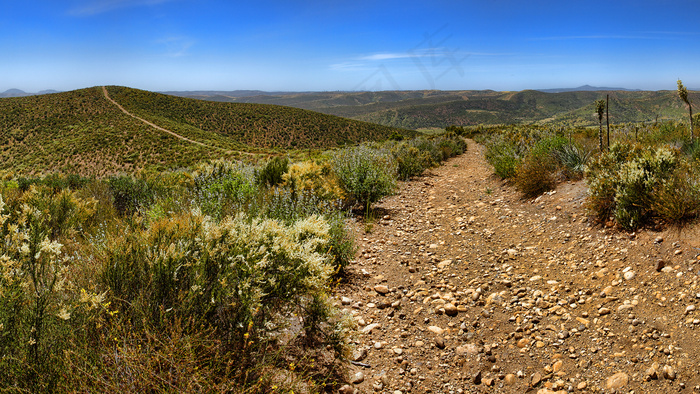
(260, 126)
(80, 132)
(430, 109)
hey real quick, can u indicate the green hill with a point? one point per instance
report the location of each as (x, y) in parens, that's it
(430, 109)
(82, 132)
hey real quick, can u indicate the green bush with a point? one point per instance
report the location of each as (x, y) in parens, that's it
(536, 175)
(677, 198)
(410, 161)
(504, 158)
(240, 277)
(36, 301)
(223, 188)
(623, 181)
(365, 174)
(271, 173)
(573, 158)
(130, 194)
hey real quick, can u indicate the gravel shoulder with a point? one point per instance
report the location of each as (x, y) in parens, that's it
(463, 287)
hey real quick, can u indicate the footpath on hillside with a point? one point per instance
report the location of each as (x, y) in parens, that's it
(155, 126)
(461, 286)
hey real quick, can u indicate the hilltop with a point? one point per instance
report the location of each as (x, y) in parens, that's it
(439, 109)
(83, 132)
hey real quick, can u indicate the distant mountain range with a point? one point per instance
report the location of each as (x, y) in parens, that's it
(21, 93)
(431, 109)
(586, 88)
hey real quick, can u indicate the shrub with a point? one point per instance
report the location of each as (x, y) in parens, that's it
(241, 277)
(222, 188)
(35, 302)
(573, 159)
(410, 161)
(622, 182)
(271, 173)
(536, 175)
(504, 158)
(365, 174)
(314, 177)
(130, 194)
(677, 198)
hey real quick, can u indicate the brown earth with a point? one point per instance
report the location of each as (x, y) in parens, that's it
(460, 286)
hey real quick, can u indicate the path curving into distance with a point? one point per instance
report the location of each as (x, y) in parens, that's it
(104, 90)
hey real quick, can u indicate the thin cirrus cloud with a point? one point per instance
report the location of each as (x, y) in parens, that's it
(429, 52)
(95, 7)
(176, 46)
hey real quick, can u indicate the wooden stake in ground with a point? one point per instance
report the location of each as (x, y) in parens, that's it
(683, 94)
(607, 116)
(600, 107)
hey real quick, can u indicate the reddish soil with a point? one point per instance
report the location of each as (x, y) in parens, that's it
(460, 286)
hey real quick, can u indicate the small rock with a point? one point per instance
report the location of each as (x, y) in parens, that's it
(477, 378)
(658, 240)
(359, 354)
(444, 263)
(370, 327)
(556, 367)
(629, 275)
(617, 381)
(357, 378)
(467, 349)
(378, 345)
(488, 381)
(510, 379)
(689, 308)
(345, 301)
(440, 342)
(381, 289)
(652, 372)
(582, 385)
(669, 373)
(435, 329)
(604, 311)
(346, 389)
(536, 379)
(660, 264)
(450, 310)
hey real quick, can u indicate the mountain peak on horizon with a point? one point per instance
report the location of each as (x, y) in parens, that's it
(585, 88)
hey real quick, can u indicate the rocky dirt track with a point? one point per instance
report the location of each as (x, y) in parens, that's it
(462, 287)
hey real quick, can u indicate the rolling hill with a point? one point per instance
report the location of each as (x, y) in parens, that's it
(438, 109)
(82, 132)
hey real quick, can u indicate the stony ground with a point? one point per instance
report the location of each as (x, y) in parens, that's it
(460, 286)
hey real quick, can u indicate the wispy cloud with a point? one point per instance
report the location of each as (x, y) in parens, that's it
(95, 7)
(176, 46)
(386, 56)
(423, 53)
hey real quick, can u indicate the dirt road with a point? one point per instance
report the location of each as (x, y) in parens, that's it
(155, 126)
(462, 287)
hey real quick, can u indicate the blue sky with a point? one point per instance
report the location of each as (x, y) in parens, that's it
(348, 45)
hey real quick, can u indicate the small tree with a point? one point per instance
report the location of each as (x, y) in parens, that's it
(683, 94)
(600, 108)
